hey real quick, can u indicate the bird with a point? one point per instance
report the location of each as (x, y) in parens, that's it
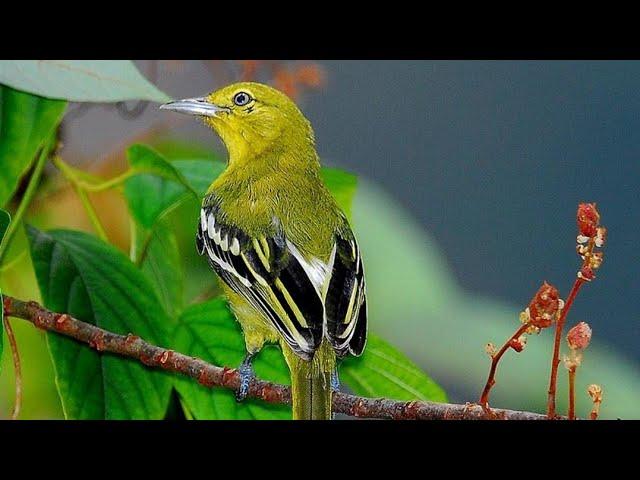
(288, 260)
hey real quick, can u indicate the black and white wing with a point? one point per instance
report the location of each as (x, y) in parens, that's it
(346, 298)
(303, 299)
(265, 272)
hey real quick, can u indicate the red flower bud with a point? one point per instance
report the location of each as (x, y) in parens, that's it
(588, 219)
(519, 343)
(544, 306)
(586, 273)
(579, 336)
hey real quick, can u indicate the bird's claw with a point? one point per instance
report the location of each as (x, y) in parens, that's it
(245, 370)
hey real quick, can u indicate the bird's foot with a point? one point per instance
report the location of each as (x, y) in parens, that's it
(245, 370)
(335, 381)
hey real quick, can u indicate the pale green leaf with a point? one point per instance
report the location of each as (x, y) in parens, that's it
(80, 80)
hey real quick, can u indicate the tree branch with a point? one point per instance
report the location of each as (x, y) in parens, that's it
(214, 376)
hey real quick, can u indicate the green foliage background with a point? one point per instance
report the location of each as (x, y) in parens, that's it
(414, 301)
(146, 293)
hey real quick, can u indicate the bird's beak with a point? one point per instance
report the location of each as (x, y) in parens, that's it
(194, 106)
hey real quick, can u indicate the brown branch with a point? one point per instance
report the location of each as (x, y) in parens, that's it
(214, 376)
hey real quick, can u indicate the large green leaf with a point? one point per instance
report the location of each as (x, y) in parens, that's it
(163, 267)
(25, 122)
(384, 371)
(91, 280)
(80, 80)
(209, 331)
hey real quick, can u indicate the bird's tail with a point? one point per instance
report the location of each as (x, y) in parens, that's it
(311, 383)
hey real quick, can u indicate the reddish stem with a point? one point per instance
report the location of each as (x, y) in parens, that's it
(16, 368)
(495, 359)
(572, 393)
(551, 401)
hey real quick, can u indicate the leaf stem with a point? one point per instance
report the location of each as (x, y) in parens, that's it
(81, 188)
(145, 248)
(495, 359)
(16, 367)
(133, 241)
(91, 213)
(28, 195)
(107, 184)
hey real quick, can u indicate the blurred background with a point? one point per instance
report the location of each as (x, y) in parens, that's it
(469, 178)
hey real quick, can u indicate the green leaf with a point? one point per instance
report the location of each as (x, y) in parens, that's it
(144, 159)
(175, 149)
(342, 186)
(162, 266)
(209, 331)
(1, 328)
(150, 196)
(80, 80)
(384, 371)
(93, 281)
(5, 219)
(25, 122)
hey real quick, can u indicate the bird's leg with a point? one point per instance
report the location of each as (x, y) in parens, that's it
(335, 380)
(245, 370)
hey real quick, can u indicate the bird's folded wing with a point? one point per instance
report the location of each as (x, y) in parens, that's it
(269, 276)
(345, 300)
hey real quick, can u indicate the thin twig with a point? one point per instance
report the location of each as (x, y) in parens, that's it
(551, 400)
(572, 393)
(214, 376)
(16, 368)
(495, 359)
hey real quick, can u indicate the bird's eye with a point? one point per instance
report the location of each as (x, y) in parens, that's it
(241, 99)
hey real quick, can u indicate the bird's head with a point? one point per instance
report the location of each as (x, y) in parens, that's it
(251, 119)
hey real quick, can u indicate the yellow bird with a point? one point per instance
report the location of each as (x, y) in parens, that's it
(288, 260)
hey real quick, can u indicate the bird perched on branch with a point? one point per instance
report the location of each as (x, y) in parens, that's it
(288, 260)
